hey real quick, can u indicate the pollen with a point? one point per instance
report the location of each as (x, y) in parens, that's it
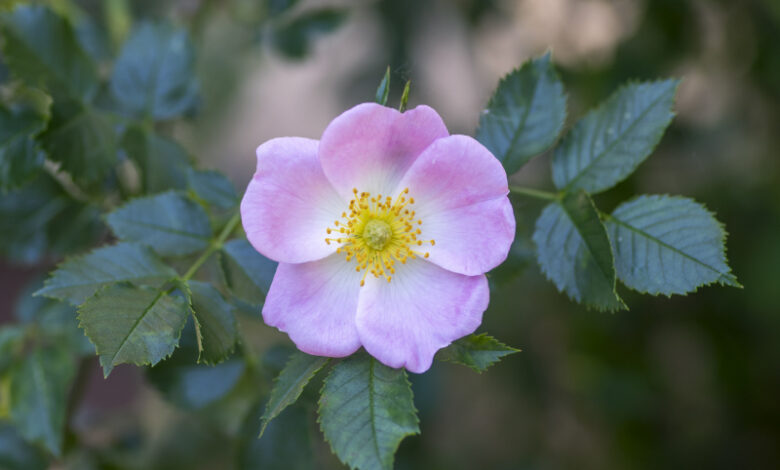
(378, 232)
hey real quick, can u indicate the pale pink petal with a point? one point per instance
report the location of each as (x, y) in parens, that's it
(370, 146)
(289, 203)
(423, 309)
(316, 303)
(460, 195)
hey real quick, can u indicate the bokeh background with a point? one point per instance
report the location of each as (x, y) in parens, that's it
(681, 382)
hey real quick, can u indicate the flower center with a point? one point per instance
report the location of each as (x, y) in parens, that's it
(378, 232)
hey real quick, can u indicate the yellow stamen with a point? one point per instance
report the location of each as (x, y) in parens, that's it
(378, 233)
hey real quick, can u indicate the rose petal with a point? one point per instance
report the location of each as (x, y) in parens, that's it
(460, 190)
(423, 309)
(289, 203)
(316, 303)
(370, 146)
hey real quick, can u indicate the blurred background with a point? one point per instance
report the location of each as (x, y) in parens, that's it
(681, 382)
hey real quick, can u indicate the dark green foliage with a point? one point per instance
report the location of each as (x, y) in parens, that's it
(78, 278)
(154, 74)
(247, 272)
(213, 188)
(294, 39)
(169, 223)
(164, 164)
(289, 384)
(41, 48)
(132, 324)
(16, 454)
(215, 323)
(366, 409)
(668, 245)
(610, 142)
(38, 393)
(286, 443)
(525, 114)
(476, 351)
(20, 157)
(574, 252)
(81, 139)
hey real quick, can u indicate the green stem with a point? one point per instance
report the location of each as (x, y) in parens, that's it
(215, 245)
(535, 193)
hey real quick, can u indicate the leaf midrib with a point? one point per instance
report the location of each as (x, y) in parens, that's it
(612, 144)
(666, 245)
(135, 325)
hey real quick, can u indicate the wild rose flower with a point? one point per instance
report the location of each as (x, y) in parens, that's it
(383, 231)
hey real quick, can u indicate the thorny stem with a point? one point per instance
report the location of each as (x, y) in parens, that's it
(215, 245)
(535, 193)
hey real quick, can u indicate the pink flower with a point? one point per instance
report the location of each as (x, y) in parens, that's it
(383, 231)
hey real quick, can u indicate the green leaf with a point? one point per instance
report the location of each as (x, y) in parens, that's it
(668, 245)
(383, 91)
(365, 410)
(476, 351)
(192, 386)
(277, 7)
(289, 384)
(40, 219)
(286, 444)
(574, 252)
(42, 49)
(525, 114)
(82, 139)
(163, 162)
(248, 274)
(78, 278)
(133, 324)
(154, 75)
(169, 223)
(38, 396)
(16, 454)
(20, 158)
(11, 344)
(294, 39)
(213, 187)
(215, 323)
(55, 321)
(612, 140)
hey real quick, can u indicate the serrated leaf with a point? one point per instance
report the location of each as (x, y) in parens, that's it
(38, 396)
(42, 49)
(133, 324)
(163, 162)
(476, 351)
(248, 273)
(574, 252)
(40, 219)
(365, 410)
(19, 156)
(78, 278)
(215, 323)
(668, 245)
(154, 75)
(289, 384)
(286, 444)
(82, 139)
(525, 114)
(294, 39)
(169, 223)
(212, 187)
(16, 454)
(612, 140)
